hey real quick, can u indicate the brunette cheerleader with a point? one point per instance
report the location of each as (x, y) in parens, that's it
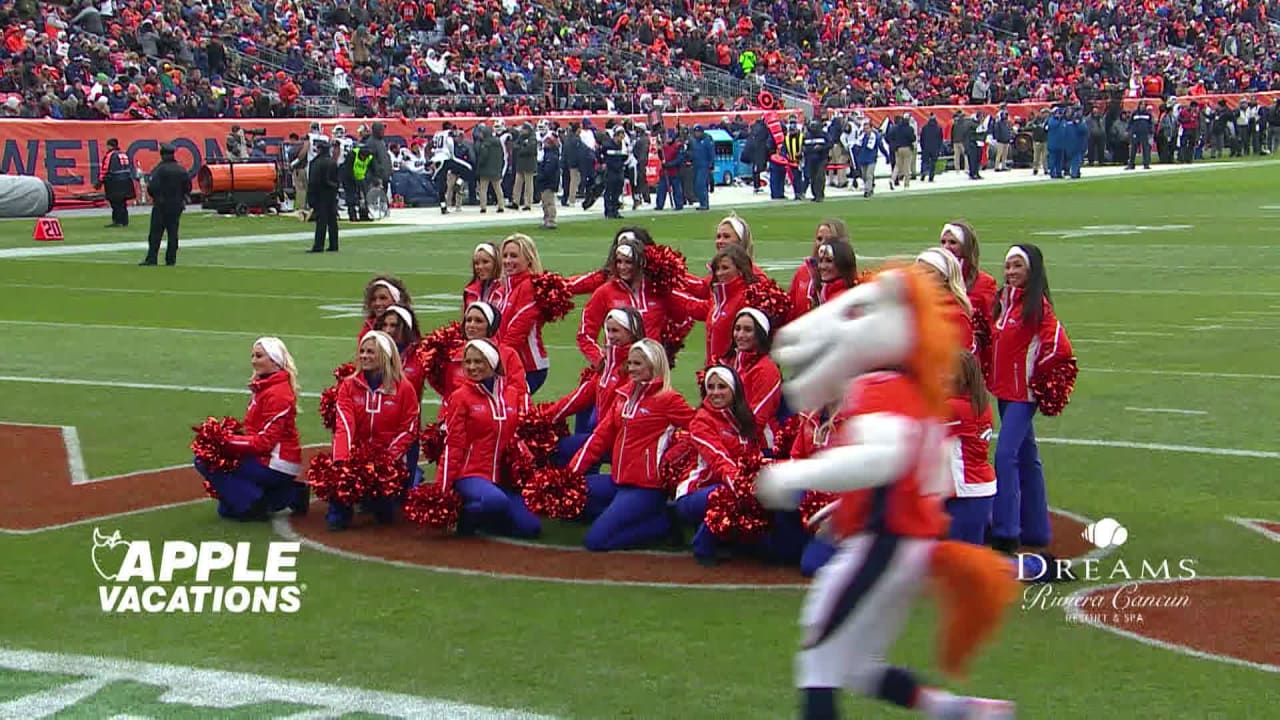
(401, 325)
(271, 456)
(1026, 337)
(586, 283)
(761, 379)
(479, 426)
(727, 295)
(638, 429)
(377, 407)
(481, 321)
(832, 269)
(382, 292)
(486, 277)
(521, 320)
(732, 231)
(627, 287)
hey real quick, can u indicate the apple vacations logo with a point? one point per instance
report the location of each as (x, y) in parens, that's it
(201, 577)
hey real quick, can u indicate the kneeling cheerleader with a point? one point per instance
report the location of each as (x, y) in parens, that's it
(270, 455)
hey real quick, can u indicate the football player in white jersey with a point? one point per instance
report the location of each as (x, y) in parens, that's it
(445, 161)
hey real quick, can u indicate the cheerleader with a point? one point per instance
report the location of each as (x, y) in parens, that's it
(960, 239)
(479, 426)
(401, 325)
(726, 296)
(481, 321)
(970, 430)
(807, 279)
(627, 287)
(1026, 336)
(486, 277)
(586, 283)
(816, 431)
(761, 379)
(376, 407)
(271, 455)
(638, 428)
(732, 231)
(521, 319)
(946, 269)
(594, 396)
(382, 292)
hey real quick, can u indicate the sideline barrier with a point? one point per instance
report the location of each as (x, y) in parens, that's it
(68, 153)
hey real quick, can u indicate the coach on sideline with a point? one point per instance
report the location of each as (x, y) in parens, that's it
(169, 187)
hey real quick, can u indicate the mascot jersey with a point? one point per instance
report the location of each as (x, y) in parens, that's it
(911, 505)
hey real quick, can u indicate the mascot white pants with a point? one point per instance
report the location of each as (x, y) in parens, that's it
(886, 351)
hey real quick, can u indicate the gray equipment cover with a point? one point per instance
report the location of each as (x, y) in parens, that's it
(24, 196)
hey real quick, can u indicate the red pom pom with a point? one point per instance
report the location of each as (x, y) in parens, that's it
(518, 466)
(982, 341)
(539, 432)
(785, 440)
(664, 269)
(367, 474)
(677, 462)
(433, 506)
(588, 374)
(733, 513)
(556, 493)
(552, 295)
(431, 442)
(813, 502)
(765, 296)
(212, 446)
(1052, 385)
(673, 336)
(437, 347)
(329, 396)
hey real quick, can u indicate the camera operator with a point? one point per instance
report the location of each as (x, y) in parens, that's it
(237, 145)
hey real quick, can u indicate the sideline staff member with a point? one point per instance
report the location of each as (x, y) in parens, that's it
(169, 187)
(322, 193)
(117, 177)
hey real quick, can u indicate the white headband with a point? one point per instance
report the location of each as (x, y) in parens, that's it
(620, 316)
(404, 314)
(487, 349)
(825, 250)
(738, 226)
(934, 259)
(625, 236)
(486, 248)
(761, 319)
(723, 373)
(647, 351)
(955, 230)
(484, 308)
(395, 293)
(273, 347)
(1016, 251)
(625, 251)
(383, 340)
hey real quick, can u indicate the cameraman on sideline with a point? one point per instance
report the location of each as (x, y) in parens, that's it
(237, 145)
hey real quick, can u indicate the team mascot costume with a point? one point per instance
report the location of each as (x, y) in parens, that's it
(886, 351)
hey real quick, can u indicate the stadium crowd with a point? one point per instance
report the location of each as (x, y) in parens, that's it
(96, 59)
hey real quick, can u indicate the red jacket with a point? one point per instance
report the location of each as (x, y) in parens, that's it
(763, 384)
(971, 446)
(455, 376)
(638, 428)
(413, 359)
(475, 291)
(814, 435)
(270, 429)
(479, 425)
(364, 329)
(522, 323)
(1018, 351)
(599, 391)
(586, 283)
(802, 302)
(962, 322)
(619, 294)
(982, 296)
(387, 418)
(718, 312)
(700, 287)
(715, 435)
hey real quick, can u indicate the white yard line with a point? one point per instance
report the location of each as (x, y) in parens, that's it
(1165, 291)
(166, 291)
(1253, 524)
(1162, 447)
(178, 330)
(1142, 333)
(75, 455)
(1099, 341)
(1169, 411)
(211, 390)
(1182, 373)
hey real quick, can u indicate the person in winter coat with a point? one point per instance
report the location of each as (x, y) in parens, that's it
(1140, 126)
(727, 295)
(548, 180)
(761, 379)
(816, 150)
(1077, 138)
(521, 320)
(571, 160)
(480, 426)
(1058, 143)
(1026, 336)
(762, 146)
(807, 280)
(627, 287)
(526, 162)
(901, 148)
(703, 157)
(867, 152)
(930, 147)
(377, 407)
(673, 158)
(1096, 150)
(271, 455)
(489, 168)
(1002, 137)
(640, 173)
(646, 411)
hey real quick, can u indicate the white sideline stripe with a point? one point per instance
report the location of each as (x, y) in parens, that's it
(1185, 373)
(1099, 341)
(1119, 291)
(75, 456)
(1249, 523)
(1162, 447)
(153, 386)
(220, 689)
(282, 527)
(1073, 611)
(1171, 411)
(183, 330)
(161, 291)
(1142, 333)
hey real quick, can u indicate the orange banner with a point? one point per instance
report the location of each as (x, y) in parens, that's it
(69, 153)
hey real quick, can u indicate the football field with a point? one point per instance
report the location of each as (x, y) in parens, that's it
(1168, 284)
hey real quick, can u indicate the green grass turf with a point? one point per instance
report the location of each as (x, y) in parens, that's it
(1210, 290)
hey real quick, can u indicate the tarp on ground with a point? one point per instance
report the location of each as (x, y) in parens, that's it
(24, 196)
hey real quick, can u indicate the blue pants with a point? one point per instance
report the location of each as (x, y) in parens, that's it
(702, 186)
(816, 554)
(636, 516)
(1077, 158)
(676, 188)
(383, 509)
(251, 489)
(691, 509)
(1021, 508)
(494, 509)
(1057, 162)
(783, 543)
(600, 493)
(970, 517)
(778, 181)
(568, 447)
(411, 462)
(535, 379)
